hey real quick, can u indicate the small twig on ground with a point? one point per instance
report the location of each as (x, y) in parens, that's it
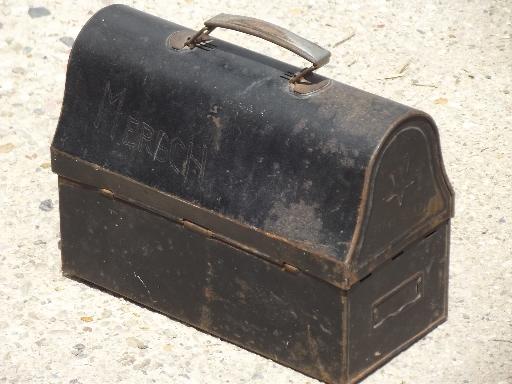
(423, 85)
(401, 72)
(470, 75)
(502, 341)
(394, 77)
(344, 40)
(406, 65)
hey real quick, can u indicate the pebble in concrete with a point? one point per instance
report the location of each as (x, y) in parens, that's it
(46, 205)
(67, 40)
(35, 12)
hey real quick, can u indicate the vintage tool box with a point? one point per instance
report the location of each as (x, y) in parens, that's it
(290, 214)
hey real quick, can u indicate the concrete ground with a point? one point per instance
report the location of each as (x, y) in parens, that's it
(452, 59)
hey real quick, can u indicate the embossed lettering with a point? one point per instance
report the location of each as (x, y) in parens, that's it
(130, 137)
(183, 159)
(178, 156)
(188, 161)
(110, 109)
(194, 162)
(146, 137)
(162, 148)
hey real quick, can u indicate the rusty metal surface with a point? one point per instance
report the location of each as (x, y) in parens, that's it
(220, 129)
(397, 302)
(277, 311)
(306, 222)
(267, 246)
(280, 313)
(306, 85)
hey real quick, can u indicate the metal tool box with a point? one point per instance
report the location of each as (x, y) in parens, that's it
(285, 212)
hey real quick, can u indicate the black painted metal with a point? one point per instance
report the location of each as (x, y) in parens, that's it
(310, 227)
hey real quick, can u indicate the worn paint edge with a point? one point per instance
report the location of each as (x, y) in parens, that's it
(345, 338)
(447, 269)
(417, 234)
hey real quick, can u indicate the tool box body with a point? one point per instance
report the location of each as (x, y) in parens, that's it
(310, 227)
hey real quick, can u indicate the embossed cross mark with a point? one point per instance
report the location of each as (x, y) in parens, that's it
(401, 180)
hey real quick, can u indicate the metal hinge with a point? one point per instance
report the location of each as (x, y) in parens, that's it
(203, 231)
(290, 268)
(197, 228)
(107, 193)
(207, 233)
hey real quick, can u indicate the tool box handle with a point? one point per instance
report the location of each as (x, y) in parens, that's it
(308, 50)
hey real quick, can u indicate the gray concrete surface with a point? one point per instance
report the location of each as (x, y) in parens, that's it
(452, 59)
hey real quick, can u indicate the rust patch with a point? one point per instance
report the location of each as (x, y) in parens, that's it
(205, 319)
(290, 268)
(434, 205)
(315, 356)
(244, 286)
(299, 127)
(244, 290)
(197, 228)
(216, 120)
(107, 193)
(75, 170)
(210, 294)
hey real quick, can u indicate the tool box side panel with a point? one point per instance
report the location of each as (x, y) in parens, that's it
(408, 194)
(289, 317)
(398, 303)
